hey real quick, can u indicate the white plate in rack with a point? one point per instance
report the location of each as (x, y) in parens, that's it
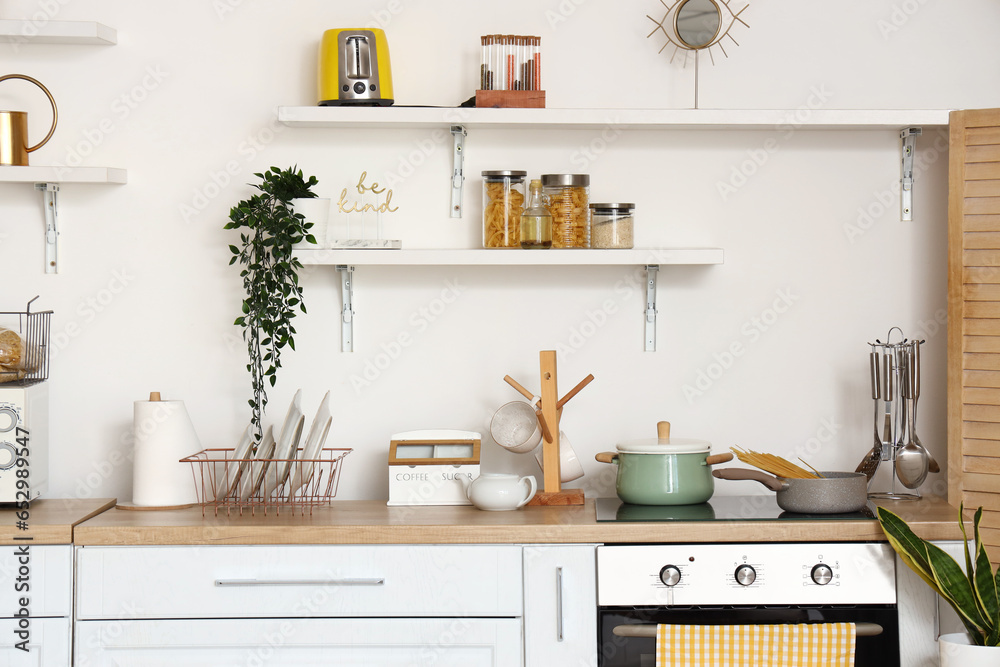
(253, 477)
(286, 446)
(236, 466)
(303, 470)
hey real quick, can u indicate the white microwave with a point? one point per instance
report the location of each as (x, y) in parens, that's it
(24, 433)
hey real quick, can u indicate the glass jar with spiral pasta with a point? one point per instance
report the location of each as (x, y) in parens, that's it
(566, 196)
(503, 204)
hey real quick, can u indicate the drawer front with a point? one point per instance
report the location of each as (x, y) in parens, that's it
(43, 574)
(459, 642)
(298, 581)
(48, 643)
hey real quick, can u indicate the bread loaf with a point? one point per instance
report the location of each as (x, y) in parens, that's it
(11, 349)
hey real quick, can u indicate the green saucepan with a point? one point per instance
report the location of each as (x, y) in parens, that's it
(664, 470)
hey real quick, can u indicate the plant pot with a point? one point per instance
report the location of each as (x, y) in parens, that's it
(317, 211)
(958, 651)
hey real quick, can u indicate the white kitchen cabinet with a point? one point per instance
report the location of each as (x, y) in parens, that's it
(49, 592)
(560, 605)
(48, 644)
(299, 605)
(298, 642)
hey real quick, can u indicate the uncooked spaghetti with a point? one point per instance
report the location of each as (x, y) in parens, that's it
(773, 464)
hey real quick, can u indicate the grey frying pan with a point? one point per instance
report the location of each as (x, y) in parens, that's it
(834, 493)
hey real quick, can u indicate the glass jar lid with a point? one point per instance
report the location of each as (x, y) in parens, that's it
(615, 208)
(566, 180)
(504, 174)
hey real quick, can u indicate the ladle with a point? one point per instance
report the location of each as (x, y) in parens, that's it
(911, 458)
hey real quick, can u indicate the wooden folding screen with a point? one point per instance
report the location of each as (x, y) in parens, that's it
(974, 317)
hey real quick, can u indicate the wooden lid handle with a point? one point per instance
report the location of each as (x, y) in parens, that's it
(154, 395)
(663, 430)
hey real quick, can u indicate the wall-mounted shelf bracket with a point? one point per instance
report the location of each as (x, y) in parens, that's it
(458, 135)
(651, 272)
(347, 315)
(909, 140)
(50, 199)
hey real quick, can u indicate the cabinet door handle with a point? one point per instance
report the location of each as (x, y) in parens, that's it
(559, 604)
(299, 582)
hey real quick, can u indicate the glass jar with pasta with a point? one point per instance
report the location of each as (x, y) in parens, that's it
(566, 196)
(503, 203)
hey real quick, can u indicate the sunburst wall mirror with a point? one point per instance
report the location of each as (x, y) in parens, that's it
(692, 26)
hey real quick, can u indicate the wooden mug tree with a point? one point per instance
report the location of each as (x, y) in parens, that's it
(549, 413)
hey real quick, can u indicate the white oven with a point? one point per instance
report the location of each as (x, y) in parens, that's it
(640, 586)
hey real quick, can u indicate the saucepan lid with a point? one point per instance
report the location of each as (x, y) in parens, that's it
(665, 446)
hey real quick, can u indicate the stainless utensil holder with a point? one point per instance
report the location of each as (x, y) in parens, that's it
(896, 386)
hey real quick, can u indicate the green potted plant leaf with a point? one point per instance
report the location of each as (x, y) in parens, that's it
(972, 593)
(268, 228)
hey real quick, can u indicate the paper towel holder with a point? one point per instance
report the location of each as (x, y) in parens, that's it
(154, 396)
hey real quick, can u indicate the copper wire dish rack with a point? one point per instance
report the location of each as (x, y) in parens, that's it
(296, 484)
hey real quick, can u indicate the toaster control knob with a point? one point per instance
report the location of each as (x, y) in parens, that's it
(822, 574)
(359, 88)
(670, 575)
(745, 575)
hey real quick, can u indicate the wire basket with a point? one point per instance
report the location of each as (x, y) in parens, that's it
(225, 482)
(29, 364)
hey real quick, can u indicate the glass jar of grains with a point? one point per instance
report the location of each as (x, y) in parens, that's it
(503, 203)
(566, 196)
(611, 225)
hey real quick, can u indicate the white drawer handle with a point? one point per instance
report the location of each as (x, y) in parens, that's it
(299, 582)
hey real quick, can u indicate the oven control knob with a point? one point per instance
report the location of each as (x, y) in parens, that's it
(670, 575)
(822, 574)
(745, 575)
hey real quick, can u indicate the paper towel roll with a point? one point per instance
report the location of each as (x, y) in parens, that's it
(164, 434)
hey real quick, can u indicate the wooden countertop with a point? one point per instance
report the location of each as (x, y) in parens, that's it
(49, 521)
(371, 522)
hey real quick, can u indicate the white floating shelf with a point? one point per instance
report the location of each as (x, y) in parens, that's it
(512, 257)
(629, 119)
(56, 32)
(47, 181)
(652, 259)
(10, 174)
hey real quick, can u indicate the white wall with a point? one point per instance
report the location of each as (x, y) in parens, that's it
(145, 300)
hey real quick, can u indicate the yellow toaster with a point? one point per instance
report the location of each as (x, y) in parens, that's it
(354, 68)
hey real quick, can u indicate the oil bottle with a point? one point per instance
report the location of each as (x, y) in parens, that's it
(536, 221)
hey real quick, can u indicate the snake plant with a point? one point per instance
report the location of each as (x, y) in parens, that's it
(972, 594)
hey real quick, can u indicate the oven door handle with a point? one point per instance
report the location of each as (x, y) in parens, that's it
(861, 630)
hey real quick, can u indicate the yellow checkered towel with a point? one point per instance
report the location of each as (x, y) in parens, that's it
(803, 645)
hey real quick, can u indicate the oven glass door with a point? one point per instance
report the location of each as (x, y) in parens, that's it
(881, 650)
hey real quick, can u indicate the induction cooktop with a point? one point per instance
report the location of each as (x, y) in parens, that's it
(719, 508)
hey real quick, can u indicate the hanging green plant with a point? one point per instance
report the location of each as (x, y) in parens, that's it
(268, 228)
